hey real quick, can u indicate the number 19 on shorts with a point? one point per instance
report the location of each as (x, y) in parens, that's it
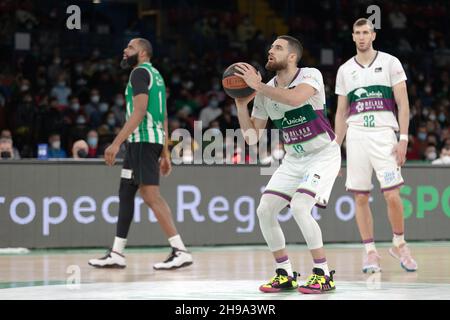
(369, 120)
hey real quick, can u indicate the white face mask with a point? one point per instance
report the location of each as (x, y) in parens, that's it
(431, 156)
(446, 159)
(56, 144)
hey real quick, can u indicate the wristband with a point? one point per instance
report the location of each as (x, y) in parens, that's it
(404, 137)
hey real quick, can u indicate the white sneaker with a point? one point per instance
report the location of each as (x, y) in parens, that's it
(112, 260)
(176, 259)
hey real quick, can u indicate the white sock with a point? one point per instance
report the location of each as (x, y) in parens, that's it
(370, 246)
(323, 266)
(285, 265)
(119, 244)
(398, 240)
(176, 242)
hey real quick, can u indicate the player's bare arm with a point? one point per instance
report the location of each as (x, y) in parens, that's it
(165, 164)
(140, 102)
(252, 127)
(291, 97)
(401, 98)
(340, 125)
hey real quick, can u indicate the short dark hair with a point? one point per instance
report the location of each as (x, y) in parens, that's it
(363, 22)
(146, 46)
(294, 44)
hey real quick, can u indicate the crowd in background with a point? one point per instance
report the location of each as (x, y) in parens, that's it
(55, 96)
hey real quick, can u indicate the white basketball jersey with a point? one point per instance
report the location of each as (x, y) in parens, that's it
(369, 90)
(304, 128)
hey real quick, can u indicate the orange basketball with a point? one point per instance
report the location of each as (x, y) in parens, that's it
(234, 86)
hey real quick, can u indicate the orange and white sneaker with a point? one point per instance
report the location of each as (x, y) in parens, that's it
(371, 263)
(403, 254)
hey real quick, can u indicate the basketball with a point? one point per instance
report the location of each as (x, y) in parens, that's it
(234, 86)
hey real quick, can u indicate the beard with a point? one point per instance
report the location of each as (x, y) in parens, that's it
(276, 66)
(129, 62)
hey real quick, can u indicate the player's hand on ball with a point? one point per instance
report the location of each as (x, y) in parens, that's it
(110, 154)
(165, 166)
(249, 75)
(243, 102)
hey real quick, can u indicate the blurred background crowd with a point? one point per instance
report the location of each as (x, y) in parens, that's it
(60, 86)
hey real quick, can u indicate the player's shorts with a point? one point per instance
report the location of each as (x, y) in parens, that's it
(368, 150)
(141, 163)
(313, 174)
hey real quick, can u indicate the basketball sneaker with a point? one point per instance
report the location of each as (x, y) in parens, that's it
(176, 259)
(281, 282)
(318, 282)
(371, 263)
(112, 260)
(403, 254)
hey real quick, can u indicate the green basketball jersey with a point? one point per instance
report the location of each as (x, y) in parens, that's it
(151, 129)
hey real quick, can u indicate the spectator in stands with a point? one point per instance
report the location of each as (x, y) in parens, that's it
(80, 150)
(6, 149)
(55, 150)
(6, 134)
(92, 141)
(444, 157)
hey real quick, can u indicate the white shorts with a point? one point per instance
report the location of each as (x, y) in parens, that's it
(312, 174)
(369, 150)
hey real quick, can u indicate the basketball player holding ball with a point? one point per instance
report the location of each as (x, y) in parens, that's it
(295, 101)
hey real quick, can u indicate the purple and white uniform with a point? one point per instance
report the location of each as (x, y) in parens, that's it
(372, 121)
(313, 157)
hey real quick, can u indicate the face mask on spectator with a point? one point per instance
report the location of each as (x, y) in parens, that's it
(81, 120)
(56, 144)
(422, 136)
(103, 107)
(57, 61)
(62, 83)
(92, 141)
(431, 156)
(5, 155)
(214, 103)
(446, 159)
(75, 106)
(82, 153)
(215, 131)
(111, 122)
(95, 99)
(119, 102)
(79, 68)
(425, 112)
(24, 87)
(442, 117)
(432, 117)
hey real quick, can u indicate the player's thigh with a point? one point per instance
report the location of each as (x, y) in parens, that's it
(384, 161)
(359, 167)
(322, 170)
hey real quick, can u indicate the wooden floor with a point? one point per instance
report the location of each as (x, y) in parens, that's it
(219, 273)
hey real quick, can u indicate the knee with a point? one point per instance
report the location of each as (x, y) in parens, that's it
(299, 208)
(263, 210)
(151, 197)
(391, 196)
(361, 199)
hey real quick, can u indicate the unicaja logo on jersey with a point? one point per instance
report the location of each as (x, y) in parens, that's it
(362, 93)
(290, 122)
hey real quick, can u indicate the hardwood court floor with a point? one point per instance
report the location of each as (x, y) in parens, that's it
(232, 272)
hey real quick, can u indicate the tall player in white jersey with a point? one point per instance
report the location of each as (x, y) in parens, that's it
(295, 101)
(369, 86)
